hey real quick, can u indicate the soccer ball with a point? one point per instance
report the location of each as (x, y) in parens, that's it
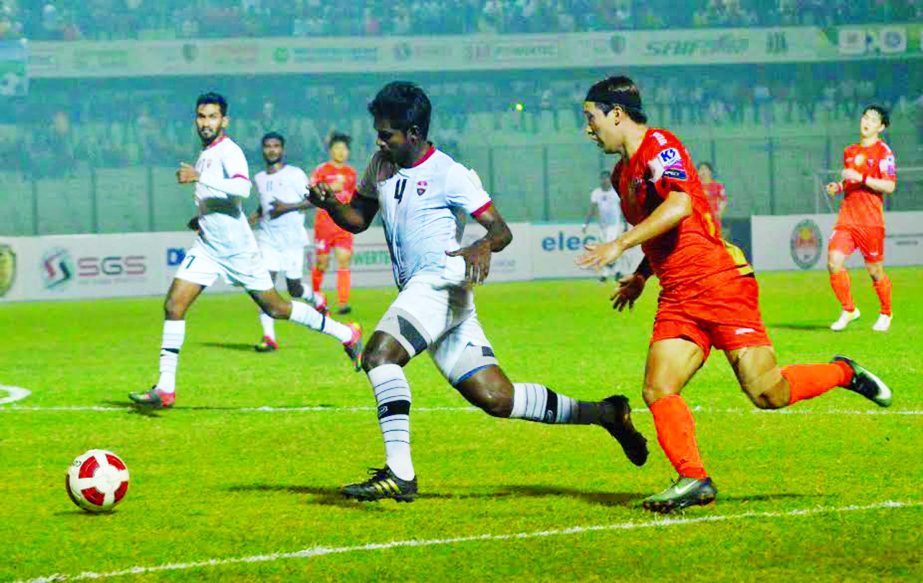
(97, 480)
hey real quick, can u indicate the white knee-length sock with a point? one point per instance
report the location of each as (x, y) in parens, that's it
(392, 393)
(174, 332)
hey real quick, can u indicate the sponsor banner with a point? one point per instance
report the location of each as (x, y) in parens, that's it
(876, 41)
(272, 56)
(793, 242)
(13, 64)
(555, 248)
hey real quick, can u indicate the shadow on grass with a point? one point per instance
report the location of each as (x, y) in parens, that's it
(798, 326)
(332, 497)
(241, 347)
(322, 496)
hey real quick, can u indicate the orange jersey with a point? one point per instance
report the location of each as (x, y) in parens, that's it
(716, 195)
(692, 257)
(863, 206)
(343, 181)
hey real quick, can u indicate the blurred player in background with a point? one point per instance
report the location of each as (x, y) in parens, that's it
(709, 295)
(418, 189)
(225, 247)
(868, 174)
(604, 205)
(341, 177)
(714, 191)
(281, 235)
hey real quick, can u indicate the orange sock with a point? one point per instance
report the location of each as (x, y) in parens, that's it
(343, 283)
(883, 289)
(676, 434)
(839, 281)
(806, 381)
(317, 278)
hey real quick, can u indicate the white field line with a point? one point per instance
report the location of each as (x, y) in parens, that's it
(366, 409)
(321, 551)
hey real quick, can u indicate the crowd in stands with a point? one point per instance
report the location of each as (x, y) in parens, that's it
(162, 19)
(112, 124)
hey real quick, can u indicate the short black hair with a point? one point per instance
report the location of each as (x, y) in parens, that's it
(272, 136)
(618, 91)
(212, 97)
(403, 104)
(885, 116)
(339, 137)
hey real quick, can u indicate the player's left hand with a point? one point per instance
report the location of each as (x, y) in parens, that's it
(599, 255)
(630, 288)
(852, 175)
(278, 208)
(186, 174)
(477, 260)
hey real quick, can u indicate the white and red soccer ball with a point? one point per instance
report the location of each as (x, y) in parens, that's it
(97, 480)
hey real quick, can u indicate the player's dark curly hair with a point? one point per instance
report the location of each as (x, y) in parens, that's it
(403, 104)
(339, 138)
(273, 136)
(618, 91)
(885, 116)
(212, 97)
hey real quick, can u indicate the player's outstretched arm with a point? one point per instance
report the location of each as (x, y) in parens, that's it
(354, 217)
(671, 212)
(477, 255)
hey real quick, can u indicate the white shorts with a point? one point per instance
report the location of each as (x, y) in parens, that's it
(441, 318)
(244, 269)
(289, 261)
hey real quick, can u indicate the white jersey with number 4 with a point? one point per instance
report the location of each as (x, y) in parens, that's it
(288, 185)
(225, 230)
(418, 207)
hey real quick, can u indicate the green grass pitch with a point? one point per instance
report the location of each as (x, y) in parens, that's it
(803, 494)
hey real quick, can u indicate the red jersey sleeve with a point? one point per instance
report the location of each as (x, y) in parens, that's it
(887, 167)
(668, 169)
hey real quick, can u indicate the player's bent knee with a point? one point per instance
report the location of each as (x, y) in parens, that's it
(653, 393)
(173, 310)
(295, 288)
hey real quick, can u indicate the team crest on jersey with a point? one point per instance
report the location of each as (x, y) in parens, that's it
(421, 187)
(860, 159)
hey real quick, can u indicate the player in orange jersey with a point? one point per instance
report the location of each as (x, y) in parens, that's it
(709, 294)
(714, 191)
(868, 174)
(327, 235)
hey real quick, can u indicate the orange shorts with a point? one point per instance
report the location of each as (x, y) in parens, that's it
(326, 238)
(869, 240)
(726, 317)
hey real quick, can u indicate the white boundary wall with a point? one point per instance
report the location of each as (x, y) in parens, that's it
(792, 242)
(64, 267)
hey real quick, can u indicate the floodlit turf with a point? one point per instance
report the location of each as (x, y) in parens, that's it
(212, 481)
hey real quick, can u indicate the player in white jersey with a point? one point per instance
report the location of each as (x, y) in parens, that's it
(281, 235)
(225, 247)
(606, 206)
(418, 190)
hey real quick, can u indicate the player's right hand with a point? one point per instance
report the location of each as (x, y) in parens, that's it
(321, 195)
(833, 188)
(630, 288)
(278, 208)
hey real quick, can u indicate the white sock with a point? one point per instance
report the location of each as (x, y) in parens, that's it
(269, 325)
(307, 316)
(308, 294)
(174, 332)
(392, 393)
(535, 402)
